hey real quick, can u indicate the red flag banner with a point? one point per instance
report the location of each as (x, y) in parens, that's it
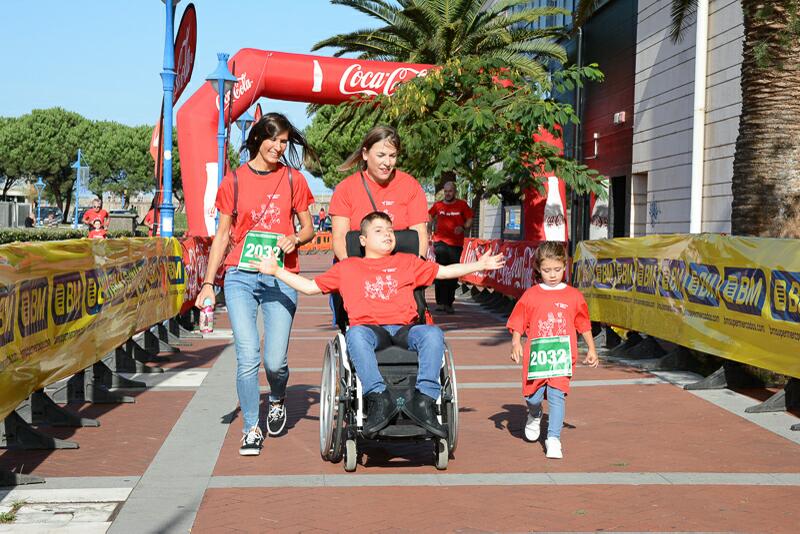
(185, 47)
(519, 272)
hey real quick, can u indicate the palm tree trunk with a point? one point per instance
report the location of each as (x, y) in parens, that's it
(766, 166)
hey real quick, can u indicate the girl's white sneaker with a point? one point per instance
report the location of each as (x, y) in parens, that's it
(553, 447)
(532, 427)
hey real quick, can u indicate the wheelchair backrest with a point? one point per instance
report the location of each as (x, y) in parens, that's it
(406, 241)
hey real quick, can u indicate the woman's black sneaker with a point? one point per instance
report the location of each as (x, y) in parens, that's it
(252, 442)
(276, 418)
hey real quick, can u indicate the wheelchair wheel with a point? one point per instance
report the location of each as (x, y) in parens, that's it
(331, 411)
(441, 454)
(451, 407)
(350, 456)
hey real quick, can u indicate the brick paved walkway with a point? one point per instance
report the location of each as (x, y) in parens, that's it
(641, 454)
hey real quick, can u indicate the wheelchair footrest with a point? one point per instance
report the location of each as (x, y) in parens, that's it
(408, 430)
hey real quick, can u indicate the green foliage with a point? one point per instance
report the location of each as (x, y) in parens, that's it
(477, 118)
(23, 235)
(435, 31)
(334, 137)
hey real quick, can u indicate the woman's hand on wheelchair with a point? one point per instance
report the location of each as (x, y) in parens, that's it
(492, 263)
(266, 265)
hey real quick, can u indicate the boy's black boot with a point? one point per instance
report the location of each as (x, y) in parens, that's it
(421, 411)
(380, 410)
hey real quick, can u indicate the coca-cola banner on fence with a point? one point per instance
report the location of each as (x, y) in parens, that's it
(195, 261)
(276, 75)
(517, 275)
(185, 46)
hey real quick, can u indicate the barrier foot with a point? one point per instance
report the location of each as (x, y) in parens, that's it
(678, 358)
(111, 380)
(9, 478)
(119, 360)
(648, 348)
(155, 346)
(796, 427)
(482, 296)
(163, 333)
(633, 339)
(177, 329)
(612, 338)
(45, 410)
(730, 374)
(786, 399)
(141, 354)
(84, 387)
(19, 434)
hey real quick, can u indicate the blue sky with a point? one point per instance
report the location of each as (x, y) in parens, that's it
(102, 59)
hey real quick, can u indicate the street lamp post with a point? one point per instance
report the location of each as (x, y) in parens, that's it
(39, 185)
(244, 122)
(77, 166)
(221, 80)
(167, 210)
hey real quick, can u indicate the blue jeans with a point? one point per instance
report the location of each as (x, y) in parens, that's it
(555, 402)
(426, 340)
(245, 292)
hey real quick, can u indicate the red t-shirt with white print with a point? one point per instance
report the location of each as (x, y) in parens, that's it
(545, 313)
(448, 217)
(402, 199)
(267, 194)
(379, 291)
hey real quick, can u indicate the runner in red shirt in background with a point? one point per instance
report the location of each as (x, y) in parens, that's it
(322, 216)
(378, 291)
(96, 212)
(548, 315)
(451, 218)
(261, 201)
(149, 221)
(377, 186)
(97, 231)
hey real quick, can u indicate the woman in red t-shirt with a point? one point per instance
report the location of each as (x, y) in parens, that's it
(377, 186)
(257, 203)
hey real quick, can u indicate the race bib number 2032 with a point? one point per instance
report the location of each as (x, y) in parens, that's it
(550, 357)
(257, 244)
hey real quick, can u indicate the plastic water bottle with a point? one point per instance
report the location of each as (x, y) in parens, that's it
(207, 317)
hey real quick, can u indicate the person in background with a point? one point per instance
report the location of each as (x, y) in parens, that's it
(322, 215)
(451, 218)
(96, 212)
(51, 220)
(97, 231)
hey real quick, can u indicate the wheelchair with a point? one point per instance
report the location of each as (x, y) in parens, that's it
(342, 405)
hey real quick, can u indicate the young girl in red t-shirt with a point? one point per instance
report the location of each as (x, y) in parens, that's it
(548, 314)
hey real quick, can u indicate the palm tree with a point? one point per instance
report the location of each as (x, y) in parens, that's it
(766, 163)
(435, 31)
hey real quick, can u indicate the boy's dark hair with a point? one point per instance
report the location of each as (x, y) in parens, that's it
(369, 217)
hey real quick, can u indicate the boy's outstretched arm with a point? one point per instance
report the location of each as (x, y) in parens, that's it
(268, 265)
(486, 262)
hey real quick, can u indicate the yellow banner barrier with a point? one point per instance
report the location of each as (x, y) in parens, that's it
(735, 297)
(65, 304)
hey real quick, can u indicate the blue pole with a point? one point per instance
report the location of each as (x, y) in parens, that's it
(77, 188)
(221, 130)
(168, 79)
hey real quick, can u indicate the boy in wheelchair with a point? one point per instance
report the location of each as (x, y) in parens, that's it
(378, 294)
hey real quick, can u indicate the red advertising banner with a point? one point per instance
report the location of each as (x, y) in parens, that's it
(519, 272)
(195, 261)
(185, 46)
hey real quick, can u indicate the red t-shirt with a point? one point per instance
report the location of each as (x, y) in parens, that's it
(150, 219)
(448, 216)
(90, 215)
(545, 313)
(256, 191)
(379, 291)
(98, 234)
(402, 199)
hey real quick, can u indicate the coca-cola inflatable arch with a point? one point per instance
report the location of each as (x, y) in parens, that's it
(321, 80)
(276, 75)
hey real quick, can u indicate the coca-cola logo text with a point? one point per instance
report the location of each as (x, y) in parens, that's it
(356, 80)
(243, 85)
(184, 64)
